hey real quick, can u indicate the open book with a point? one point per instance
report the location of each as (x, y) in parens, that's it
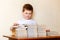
(26, 31)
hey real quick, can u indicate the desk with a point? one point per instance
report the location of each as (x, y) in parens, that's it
(39, 38)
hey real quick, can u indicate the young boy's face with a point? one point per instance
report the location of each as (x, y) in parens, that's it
(27, 14)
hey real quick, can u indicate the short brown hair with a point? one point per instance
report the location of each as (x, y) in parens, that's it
(28, 7)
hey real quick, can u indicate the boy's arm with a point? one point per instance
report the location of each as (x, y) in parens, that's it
(13, 28)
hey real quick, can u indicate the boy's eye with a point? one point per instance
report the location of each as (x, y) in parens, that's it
(28, 13)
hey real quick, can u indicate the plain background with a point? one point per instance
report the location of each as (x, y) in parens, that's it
(46, 12)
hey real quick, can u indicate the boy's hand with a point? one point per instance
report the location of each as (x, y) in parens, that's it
(14, 26)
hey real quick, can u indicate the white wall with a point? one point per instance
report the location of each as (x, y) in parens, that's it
(47, 12)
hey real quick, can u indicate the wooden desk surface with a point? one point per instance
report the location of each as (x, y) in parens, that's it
(38, 38)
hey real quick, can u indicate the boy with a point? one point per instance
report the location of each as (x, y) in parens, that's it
(27, 13)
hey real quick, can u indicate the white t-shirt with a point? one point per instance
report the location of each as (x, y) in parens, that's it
(29, 22)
